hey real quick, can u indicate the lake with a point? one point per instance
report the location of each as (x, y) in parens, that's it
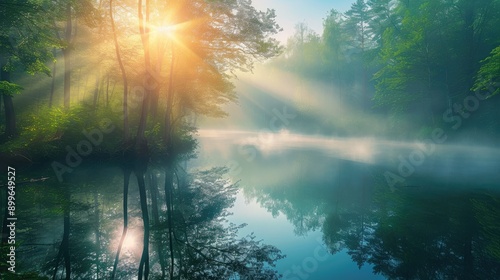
(339, 208)
(316, 206)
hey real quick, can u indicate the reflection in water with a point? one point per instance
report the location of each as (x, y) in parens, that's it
(131, 241)
(132, 244)
(430, 232)
(191, 241)
(440, 224)
(429, 235)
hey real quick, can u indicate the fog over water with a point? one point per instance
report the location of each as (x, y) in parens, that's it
(200, 140)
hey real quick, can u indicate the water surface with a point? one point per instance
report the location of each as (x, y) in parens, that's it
(328, 204)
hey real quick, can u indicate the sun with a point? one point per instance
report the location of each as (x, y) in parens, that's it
(166, 30)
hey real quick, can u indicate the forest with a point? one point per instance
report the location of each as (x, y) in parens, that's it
(419, 64)
(102, 102)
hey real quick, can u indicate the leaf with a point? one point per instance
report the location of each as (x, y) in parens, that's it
(9, 88)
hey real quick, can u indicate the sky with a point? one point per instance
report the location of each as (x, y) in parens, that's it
(291, 12)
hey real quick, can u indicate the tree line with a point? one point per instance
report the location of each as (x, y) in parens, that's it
(411, 60)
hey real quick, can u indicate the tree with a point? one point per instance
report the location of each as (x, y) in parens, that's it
(414, 59)
(356, 23)
(336, 52)
(68, 12)
(24, 43)
(196, 44)
(432, 53)
(381, 16)
(126, 133)
(215, 38)
(301, 54)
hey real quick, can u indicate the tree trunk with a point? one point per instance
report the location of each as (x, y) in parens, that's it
(107, 90)
(67, 58)
(96, 90)
(126, 133)
(144, 31)
(155, 91)
(144, 116)
(153, 102)
(10, 116)
(167, 136)
(53, 85)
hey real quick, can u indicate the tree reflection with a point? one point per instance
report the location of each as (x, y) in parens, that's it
(431, 235)
(426, 231)
(80, 229)
(205, 246)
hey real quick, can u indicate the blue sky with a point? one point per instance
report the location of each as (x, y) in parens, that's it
(291, 12)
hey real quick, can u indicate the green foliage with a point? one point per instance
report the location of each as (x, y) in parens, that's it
(9, 88)
(356, 24)
(25, 38)
(45, 132)
(303, 53)
(488, 78)
(425, 65)
(410, 60)
(183, 143)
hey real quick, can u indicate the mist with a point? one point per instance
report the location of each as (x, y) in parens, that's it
(250, 139)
